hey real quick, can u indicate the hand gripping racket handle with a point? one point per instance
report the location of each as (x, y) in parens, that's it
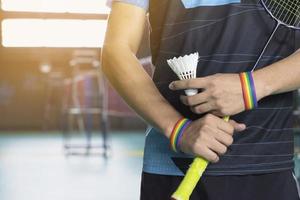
(191, 177)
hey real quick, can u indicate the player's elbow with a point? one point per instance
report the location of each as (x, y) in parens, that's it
(112, 57)
(108, 58)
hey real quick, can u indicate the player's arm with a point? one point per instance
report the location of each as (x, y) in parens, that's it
(222, 93)
(119, 63)
(207, 137)
(280, 77)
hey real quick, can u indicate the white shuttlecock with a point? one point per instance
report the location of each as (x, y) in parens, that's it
(185, 68)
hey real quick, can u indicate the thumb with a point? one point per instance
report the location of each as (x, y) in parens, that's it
(237, 126)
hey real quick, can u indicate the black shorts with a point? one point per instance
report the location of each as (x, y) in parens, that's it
(272, 186)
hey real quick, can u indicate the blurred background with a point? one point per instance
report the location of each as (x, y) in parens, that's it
(65, 134)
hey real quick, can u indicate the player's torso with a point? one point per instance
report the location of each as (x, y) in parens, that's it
(229, 36)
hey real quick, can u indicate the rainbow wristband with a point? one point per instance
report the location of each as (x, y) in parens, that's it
(249, 92)
(177, 133)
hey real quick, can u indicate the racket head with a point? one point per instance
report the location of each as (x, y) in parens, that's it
(285, 12)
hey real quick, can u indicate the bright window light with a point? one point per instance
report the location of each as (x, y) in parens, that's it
(53, 33)
(57, 6)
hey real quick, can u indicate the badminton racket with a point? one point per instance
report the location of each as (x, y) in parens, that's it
(286, 13)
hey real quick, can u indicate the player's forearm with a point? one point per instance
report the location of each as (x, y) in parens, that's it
(280, 77)
(132, 82)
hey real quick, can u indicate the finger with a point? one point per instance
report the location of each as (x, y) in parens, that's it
(225, 126)
(222, 137)
(237, 126)
(209, 155)
(202, 108)
(217, 113)
(188, 84)
(195, 99)
(218, 148)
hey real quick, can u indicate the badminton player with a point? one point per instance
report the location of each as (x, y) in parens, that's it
(251, 155)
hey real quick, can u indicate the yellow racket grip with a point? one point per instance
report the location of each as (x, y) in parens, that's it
(192, 177)
(226, 118)
(190, 180)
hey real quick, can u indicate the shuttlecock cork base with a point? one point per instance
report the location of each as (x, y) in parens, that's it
(185, 68)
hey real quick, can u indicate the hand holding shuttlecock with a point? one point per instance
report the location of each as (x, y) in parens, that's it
(186, 68)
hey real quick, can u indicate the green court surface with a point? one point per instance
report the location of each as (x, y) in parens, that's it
(33, 167)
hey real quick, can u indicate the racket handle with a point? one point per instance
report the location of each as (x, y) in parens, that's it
(192, 177)
(190, 180)
(226, 118)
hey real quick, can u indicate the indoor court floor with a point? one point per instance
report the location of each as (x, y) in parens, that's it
(33, 167)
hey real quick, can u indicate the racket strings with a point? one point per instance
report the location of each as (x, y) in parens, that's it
(285, 11)
(290, 6)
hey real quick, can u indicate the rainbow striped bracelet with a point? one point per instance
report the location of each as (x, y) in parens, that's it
(177, 133)
(249, 93)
